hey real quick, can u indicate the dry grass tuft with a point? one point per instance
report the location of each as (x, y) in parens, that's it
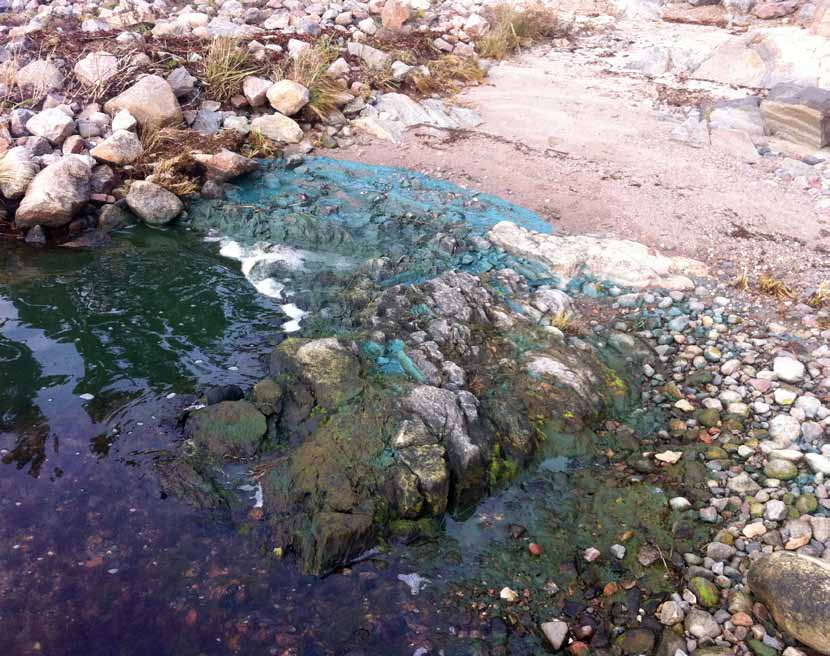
(260, 146)
(567, 322)
(225, 65)
(180, 174)
(513, 28)
(448, 74)
(821, 297)
(310, 68)
(775, 288)
(742, 281)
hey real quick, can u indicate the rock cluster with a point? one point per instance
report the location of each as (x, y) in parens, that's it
(386, 432)
(107, 103)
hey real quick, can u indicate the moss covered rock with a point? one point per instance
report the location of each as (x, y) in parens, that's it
(229, 430)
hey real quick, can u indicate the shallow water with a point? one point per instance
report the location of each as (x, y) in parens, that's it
(100, 352)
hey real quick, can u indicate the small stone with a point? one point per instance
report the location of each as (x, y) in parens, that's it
(591, 554)
(618, 551)
(181, 81)
(670, 613)
(706, 592)
(684, 405)
(508, 595)
(670, 457)
(784, 429)
(701, 625)
(783, 470)
(680, 504)
(775, 510)
(556, 632)
(754, 530)
(288, 97)
(788, 369)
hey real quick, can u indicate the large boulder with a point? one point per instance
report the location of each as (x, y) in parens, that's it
(122, 147)
(151, 101)
(227, 430)
(52, 124)
(97, 68)
(288, 97)
(152, 203)
(18, 169)
(38, 78)
(796, 589)
(56, 193)
(277, 128)
(798, 114)
(616, 261)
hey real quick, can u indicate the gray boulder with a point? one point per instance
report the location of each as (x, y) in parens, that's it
(18, 170)
(96, 68)
(56, 193)
(38, 78)
(153, 204)
(288, 97)
(53, 124)
(798, 114)
(277, 128)
(122, 147)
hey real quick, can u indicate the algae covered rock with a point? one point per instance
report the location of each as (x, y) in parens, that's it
(796, 589)
(327, 366)
(267, 396)
(394, 425)
(230, 429)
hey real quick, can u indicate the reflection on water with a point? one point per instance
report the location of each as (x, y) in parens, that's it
(85, 337)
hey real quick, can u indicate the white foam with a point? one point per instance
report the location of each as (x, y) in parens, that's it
(255, 258)
(252, 259)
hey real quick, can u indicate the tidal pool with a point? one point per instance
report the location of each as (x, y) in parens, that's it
(100, 351)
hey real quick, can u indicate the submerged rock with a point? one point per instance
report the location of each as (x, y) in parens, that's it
(229, 429)
(796, 589)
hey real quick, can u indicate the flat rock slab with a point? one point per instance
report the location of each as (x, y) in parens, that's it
(766, 57)
(617, 261)
(798, 114)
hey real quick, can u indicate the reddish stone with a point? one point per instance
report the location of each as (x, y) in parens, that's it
(767, 10)
(534, 549)
(742, 619)
(238, 102)
(578, 649)
(394, 14)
